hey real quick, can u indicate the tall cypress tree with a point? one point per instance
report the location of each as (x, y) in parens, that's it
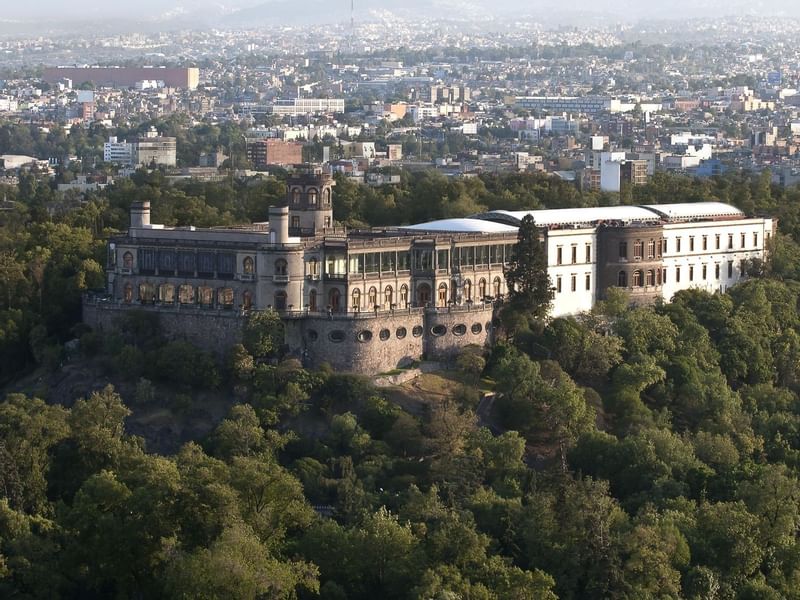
(526, 276)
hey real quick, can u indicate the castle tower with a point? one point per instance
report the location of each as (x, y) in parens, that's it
(309, 193)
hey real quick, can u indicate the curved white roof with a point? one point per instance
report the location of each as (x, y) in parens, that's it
(695, 210)
(463, 226)
(576, 216)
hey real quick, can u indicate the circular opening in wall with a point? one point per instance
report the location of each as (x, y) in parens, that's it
(385, 334)
(364, 336)
(336, 336)
(438, 330)
(401, 333)
(460, 329)
(417, 331)
(476, 328)
(312, 335)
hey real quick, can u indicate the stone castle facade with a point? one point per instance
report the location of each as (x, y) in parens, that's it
(369, 301)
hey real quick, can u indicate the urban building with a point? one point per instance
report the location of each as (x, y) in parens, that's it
(153, 149)
(186, 78)
(264, 152)
(305, 106)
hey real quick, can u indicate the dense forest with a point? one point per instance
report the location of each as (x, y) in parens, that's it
(647, 452)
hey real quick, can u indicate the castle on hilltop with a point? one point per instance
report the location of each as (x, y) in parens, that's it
(369, 301)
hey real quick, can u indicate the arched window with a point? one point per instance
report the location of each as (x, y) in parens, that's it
(326, 197)
(468, 290)
(296, 196)
(650, 277)
(482, 289)
(637, 279)
(127, 293)
(147, 293)
(442, 294)
(404, 296)
(388, 297)
(496, 286)
(206, 296)
(280, 267)
(166, 293)
(127, 260)
(225, 297)
(312, 300)
(280, 300)
(313, 267)
(186, 294)
(423, 294)
(312, 197)
(247, 300)
(333, 299)
(355, 299)
(247, 265)
(372, 298)
(622, 279)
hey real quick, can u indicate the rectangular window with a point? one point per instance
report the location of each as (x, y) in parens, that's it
(559, 255)
(677, 274)
(716, 270)
(664, 275)
(691, 243)
(755, 239)
(356, 265)
(295, 222)
(730, 268)
(677, 244)
(705, 242)
(403, 260)
(481, 256)
(372, 262)
(588, 253)
(574, 254)
(717, 240)
(638, 250)
(388, 260)
(742, 239)
(704, 272)
(663, 246)
(691, 273)
(558, 284)
(573, 284)
(651, 249)
(443, 259)
(623, 250)
(743, 267)
(730, 241)
(588, 282)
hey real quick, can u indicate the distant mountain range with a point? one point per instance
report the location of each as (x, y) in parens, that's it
(157, 14)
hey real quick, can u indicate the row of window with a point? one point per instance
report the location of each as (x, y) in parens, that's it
(337, 335)
(573, 283)
(573, 254)
(187, 262)
(657, 248)
(422, 259)
(445, 295)
(312, 195)
(168, 293)
(659, 276)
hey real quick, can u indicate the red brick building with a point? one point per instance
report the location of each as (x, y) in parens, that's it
(274, 152)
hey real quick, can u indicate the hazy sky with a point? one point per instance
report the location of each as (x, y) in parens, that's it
(619, 9)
